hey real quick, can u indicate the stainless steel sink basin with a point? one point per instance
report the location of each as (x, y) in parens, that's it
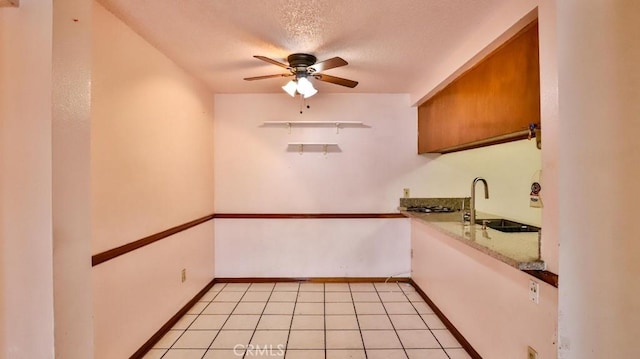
(505, 225)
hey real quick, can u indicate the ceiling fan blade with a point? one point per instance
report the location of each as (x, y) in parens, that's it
(336, 80)
(271, 61)
(267, 77)
(328, 64)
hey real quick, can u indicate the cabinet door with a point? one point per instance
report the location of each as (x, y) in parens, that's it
(490, 103)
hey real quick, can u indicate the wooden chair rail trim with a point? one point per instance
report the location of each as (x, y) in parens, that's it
(124, 249)
(306, 215)
(129, 247)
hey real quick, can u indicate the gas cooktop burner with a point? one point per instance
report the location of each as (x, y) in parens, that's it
(430, 209)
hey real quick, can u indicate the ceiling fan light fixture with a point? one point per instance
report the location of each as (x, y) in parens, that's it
(305, 87)
(290, 88)
(310, 92)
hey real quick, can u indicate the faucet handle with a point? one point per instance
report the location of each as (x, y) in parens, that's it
(484, 224)
(466, 217)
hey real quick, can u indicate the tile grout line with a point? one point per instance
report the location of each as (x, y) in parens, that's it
(259, 318)
(293, 315)
(353, 302)
(190, 324)
(324, 316)
(425, 323)
(229, 317)
(390, 321)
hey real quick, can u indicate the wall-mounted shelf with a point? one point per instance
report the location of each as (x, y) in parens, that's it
(337, 124)
(314, 146)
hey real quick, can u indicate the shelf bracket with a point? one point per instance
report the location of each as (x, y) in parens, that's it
(337, 128)
(289, 127)
(301, 149)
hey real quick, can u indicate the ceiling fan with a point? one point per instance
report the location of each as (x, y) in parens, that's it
(303, 67)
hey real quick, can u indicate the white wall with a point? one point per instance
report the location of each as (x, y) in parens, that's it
(255, 172)
(26, 265)
(302, 248)
(152, 169)
(598, 54)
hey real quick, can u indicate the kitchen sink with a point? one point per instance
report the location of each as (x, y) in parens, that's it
(505, 225)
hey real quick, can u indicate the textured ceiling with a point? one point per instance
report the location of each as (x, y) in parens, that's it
(386, 42)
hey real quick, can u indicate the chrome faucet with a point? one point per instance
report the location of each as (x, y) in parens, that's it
(472, 205)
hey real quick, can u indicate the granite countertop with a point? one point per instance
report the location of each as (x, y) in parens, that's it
(519, 250)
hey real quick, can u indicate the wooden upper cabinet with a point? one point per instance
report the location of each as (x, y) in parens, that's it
(492, 102)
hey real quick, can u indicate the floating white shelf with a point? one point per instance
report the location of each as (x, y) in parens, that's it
(337, 124)
(302, 145)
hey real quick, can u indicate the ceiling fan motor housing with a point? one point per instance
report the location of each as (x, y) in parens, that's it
(300, 62)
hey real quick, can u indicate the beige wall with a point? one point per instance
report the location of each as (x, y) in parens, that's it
(599, 152)
(152, 169)
(71, 93)
(151, 142)
(485, 299)
(26, 278)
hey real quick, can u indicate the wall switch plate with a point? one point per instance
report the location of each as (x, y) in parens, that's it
(532, 354)
(407, 193)
(183, 275)
(534, 292)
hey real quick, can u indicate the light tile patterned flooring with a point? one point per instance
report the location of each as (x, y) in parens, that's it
(308, 321)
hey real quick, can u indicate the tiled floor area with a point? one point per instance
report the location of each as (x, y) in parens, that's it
(309, 321)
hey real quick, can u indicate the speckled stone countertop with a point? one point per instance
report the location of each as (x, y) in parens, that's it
(519, 250)
(454, 203)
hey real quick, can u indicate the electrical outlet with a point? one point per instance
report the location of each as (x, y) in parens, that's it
(407, 193)
(534, 292)
(532, 354)
(183, 275)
